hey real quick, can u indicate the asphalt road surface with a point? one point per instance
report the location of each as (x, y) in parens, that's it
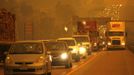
(108, 63)
(102, 63)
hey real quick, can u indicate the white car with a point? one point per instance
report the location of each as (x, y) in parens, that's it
(61, 56)
(72, 44)
(84, 44)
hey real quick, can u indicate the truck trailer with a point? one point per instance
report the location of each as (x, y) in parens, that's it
(89, 27)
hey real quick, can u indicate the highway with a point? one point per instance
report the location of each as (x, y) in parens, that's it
(108, 63)
(119, 62)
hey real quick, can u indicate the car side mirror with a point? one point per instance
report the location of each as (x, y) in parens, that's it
(6, 53)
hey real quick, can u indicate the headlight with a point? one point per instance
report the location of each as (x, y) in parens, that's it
(8, 60)
(95, 44)
(123, 43)
(103, 43)
(40, 59)
(109, 43)
(82, 50)
(64, 56)
(74, 51)
(87, 46)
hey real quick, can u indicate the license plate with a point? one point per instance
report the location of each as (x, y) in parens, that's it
(23, 68)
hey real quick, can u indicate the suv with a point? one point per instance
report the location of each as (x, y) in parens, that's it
(84, 44)
(72, 45)
(27, 57)
(60, 53)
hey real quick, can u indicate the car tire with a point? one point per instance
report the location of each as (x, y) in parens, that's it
(49, 73)
(89, 53)
(5, 72)
(77, 59)
(84, 57)
(71, 65)
(68, 65)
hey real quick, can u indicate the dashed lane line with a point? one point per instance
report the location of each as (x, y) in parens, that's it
(83, 64)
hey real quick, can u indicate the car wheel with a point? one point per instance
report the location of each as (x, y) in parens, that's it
(71, 65)
(89, 53)
(5, 72)
(77, 59)
(49, 73)
(84, 57)
(68, 65)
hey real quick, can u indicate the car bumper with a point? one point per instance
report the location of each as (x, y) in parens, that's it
(59, 62)
(75, 55)
(116, 47)
(34, 70)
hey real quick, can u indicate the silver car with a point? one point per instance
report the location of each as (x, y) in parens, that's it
(61, 56)
(27, 57)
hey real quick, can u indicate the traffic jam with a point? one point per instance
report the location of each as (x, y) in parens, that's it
(38, 56)
(61, 56)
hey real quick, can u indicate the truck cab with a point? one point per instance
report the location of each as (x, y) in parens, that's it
(116, 36)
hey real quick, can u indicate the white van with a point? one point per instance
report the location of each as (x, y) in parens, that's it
(27, 57)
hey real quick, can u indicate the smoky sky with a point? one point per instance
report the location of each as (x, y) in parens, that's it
(56, 14)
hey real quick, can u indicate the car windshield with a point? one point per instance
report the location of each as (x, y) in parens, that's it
(69, 42)
(81, 39)
(116, 33)
(55, 46)
(26, 48)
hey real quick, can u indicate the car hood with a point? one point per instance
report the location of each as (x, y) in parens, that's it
(24, 57)
(85, 43)
(57, 53)
(72, 47)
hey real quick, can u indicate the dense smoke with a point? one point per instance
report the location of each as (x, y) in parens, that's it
(49, 17)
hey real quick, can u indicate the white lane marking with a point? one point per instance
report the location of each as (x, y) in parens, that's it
(83, 64)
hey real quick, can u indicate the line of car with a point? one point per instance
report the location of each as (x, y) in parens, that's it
(38, 56)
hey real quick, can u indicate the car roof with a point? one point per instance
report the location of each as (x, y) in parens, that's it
(66, 38)
(56, 41)
(80, 35)
(6, 42)
(32, 41)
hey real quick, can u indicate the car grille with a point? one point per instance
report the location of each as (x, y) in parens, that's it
(55, 54)
(23, 70)
(70, 48)
(116, 42)
(20, 63)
